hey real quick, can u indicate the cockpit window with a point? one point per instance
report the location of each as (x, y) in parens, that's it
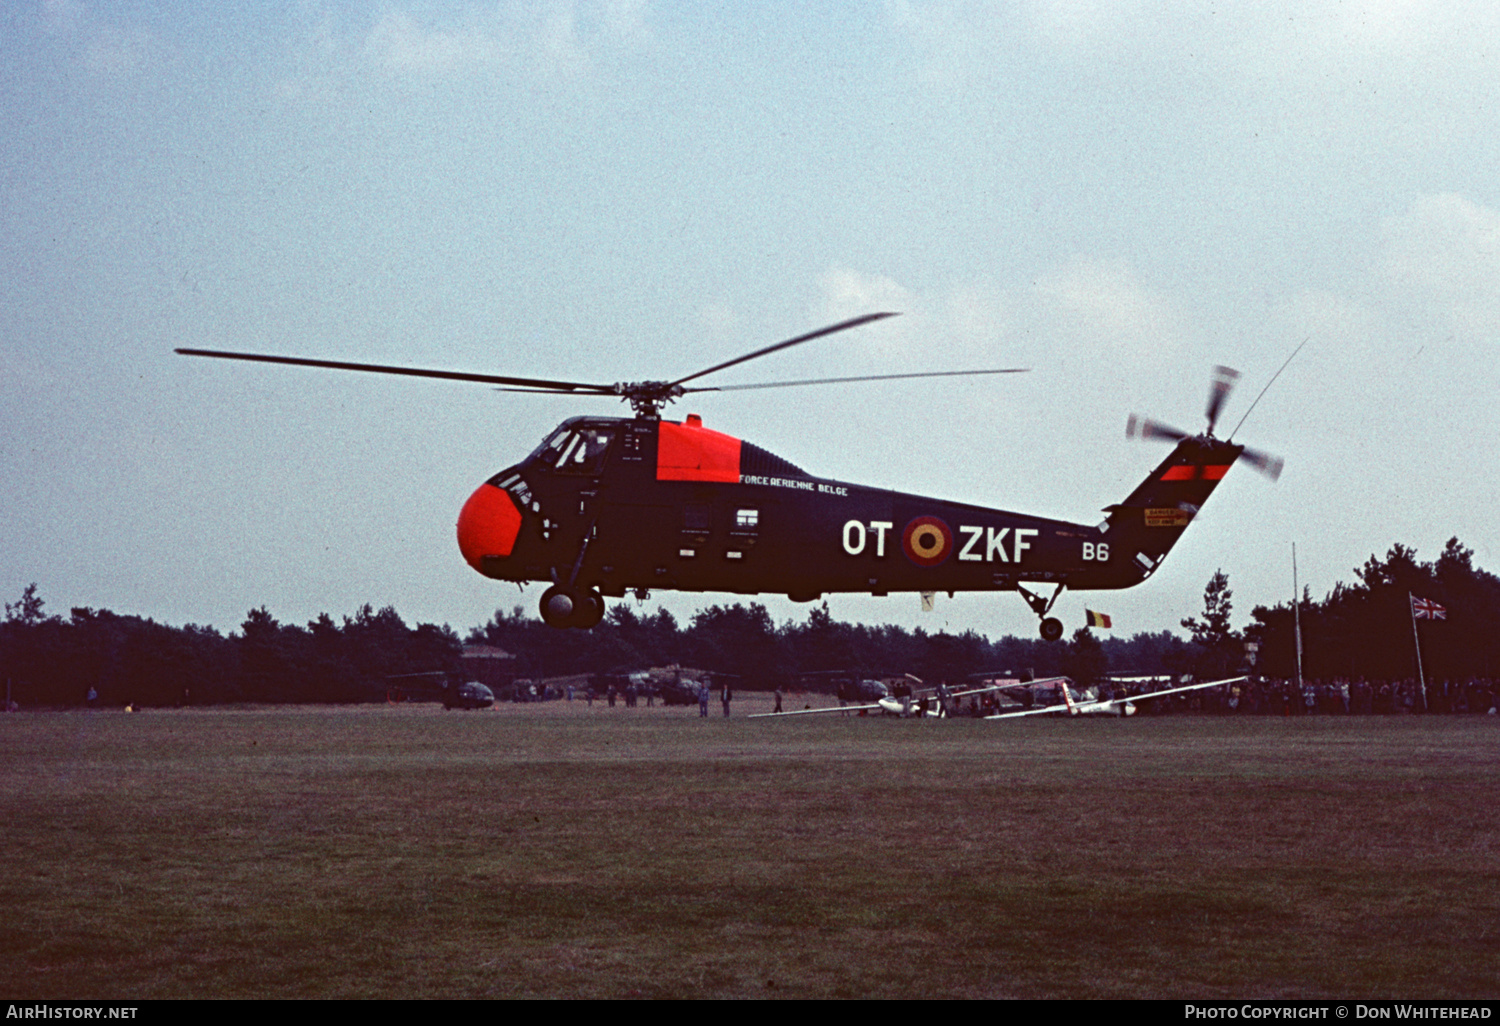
(576, 450)
(550, 449)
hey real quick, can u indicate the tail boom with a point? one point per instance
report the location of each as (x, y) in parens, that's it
(1141, 530)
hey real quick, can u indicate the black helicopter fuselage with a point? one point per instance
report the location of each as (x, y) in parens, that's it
(607, 505)
(611, 504)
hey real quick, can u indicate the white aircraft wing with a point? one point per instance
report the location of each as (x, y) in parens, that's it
(1060, 707)
(1104, 705)
(813, 712)
(981, 690)
(1185, 687)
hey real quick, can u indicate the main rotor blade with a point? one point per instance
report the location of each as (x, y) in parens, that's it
(413, 372)
(867, 377)
(841, 326)
(1224, 379)
(1145, 427)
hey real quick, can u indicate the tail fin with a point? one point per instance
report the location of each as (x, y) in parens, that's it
(1142, 529)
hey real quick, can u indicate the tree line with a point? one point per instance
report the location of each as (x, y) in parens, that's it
(51, 661)
(1361, 629)
(1365, 629)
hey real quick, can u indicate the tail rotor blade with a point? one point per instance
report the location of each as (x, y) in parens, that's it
(1223, 383)
(1264, 462)
(1145, 427)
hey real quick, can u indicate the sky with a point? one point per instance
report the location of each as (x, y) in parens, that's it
(1118, 195)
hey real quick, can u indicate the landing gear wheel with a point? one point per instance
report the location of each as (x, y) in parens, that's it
(590, 610)
(1052, 628)
(558, 607)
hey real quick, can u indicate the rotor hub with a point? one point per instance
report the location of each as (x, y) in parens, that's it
(648, 397)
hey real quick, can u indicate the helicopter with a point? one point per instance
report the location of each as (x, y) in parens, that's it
(610, 505)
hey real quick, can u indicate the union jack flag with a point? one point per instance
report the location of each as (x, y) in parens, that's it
(1426, 609)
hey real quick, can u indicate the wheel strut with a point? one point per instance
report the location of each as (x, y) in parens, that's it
(1052, 628)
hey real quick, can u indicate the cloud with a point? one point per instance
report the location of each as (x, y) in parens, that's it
(112, 52)
(61, 17)
(1337, 322)
(1255, 43)
(1096, 303)
(562, 37)
(1101, 303)
(1444, 253)
(103, 48)
(976, 318)
(718, 319)
(1407, 25)
(846, 293)
(959, 38)
(625, 19)
(398, 43)
(957, 327)
(849, 293)
(1080, 23)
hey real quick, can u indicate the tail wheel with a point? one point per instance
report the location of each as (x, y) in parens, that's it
(558, 607)
(1052, 629)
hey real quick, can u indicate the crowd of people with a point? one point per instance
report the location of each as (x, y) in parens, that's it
(1337, 697)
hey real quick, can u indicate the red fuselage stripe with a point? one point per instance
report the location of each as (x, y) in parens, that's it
(1190, 472)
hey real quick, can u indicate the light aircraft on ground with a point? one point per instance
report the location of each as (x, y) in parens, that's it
(923, 700)
(608, 505)
(1075, 704)
(1070, 702)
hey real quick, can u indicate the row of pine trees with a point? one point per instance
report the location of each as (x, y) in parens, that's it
(1360, 629)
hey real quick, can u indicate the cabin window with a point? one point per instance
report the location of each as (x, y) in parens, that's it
(746, 527)
(697, 518)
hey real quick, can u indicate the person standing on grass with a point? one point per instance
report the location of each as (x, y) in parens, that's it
(726, 696)
(703, 699)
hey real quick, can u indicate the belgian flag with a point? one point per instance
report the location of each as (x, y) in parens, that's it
(1097, 619)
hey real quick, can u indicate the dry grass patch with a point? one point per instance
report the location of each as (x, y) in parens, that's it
(561, 851)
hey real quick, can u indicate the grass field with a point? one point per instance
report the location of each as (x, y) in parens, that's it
(571, 852)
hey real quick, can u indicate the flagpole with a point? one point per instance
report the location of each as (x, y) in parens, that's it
(1297, 616)
(1411, 605)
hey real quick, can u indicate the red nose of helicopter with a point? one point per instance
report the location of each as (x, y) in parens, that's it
(487, 525)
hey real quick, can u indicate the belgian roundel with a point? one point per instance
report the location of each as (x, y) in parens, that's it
(927, 541)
